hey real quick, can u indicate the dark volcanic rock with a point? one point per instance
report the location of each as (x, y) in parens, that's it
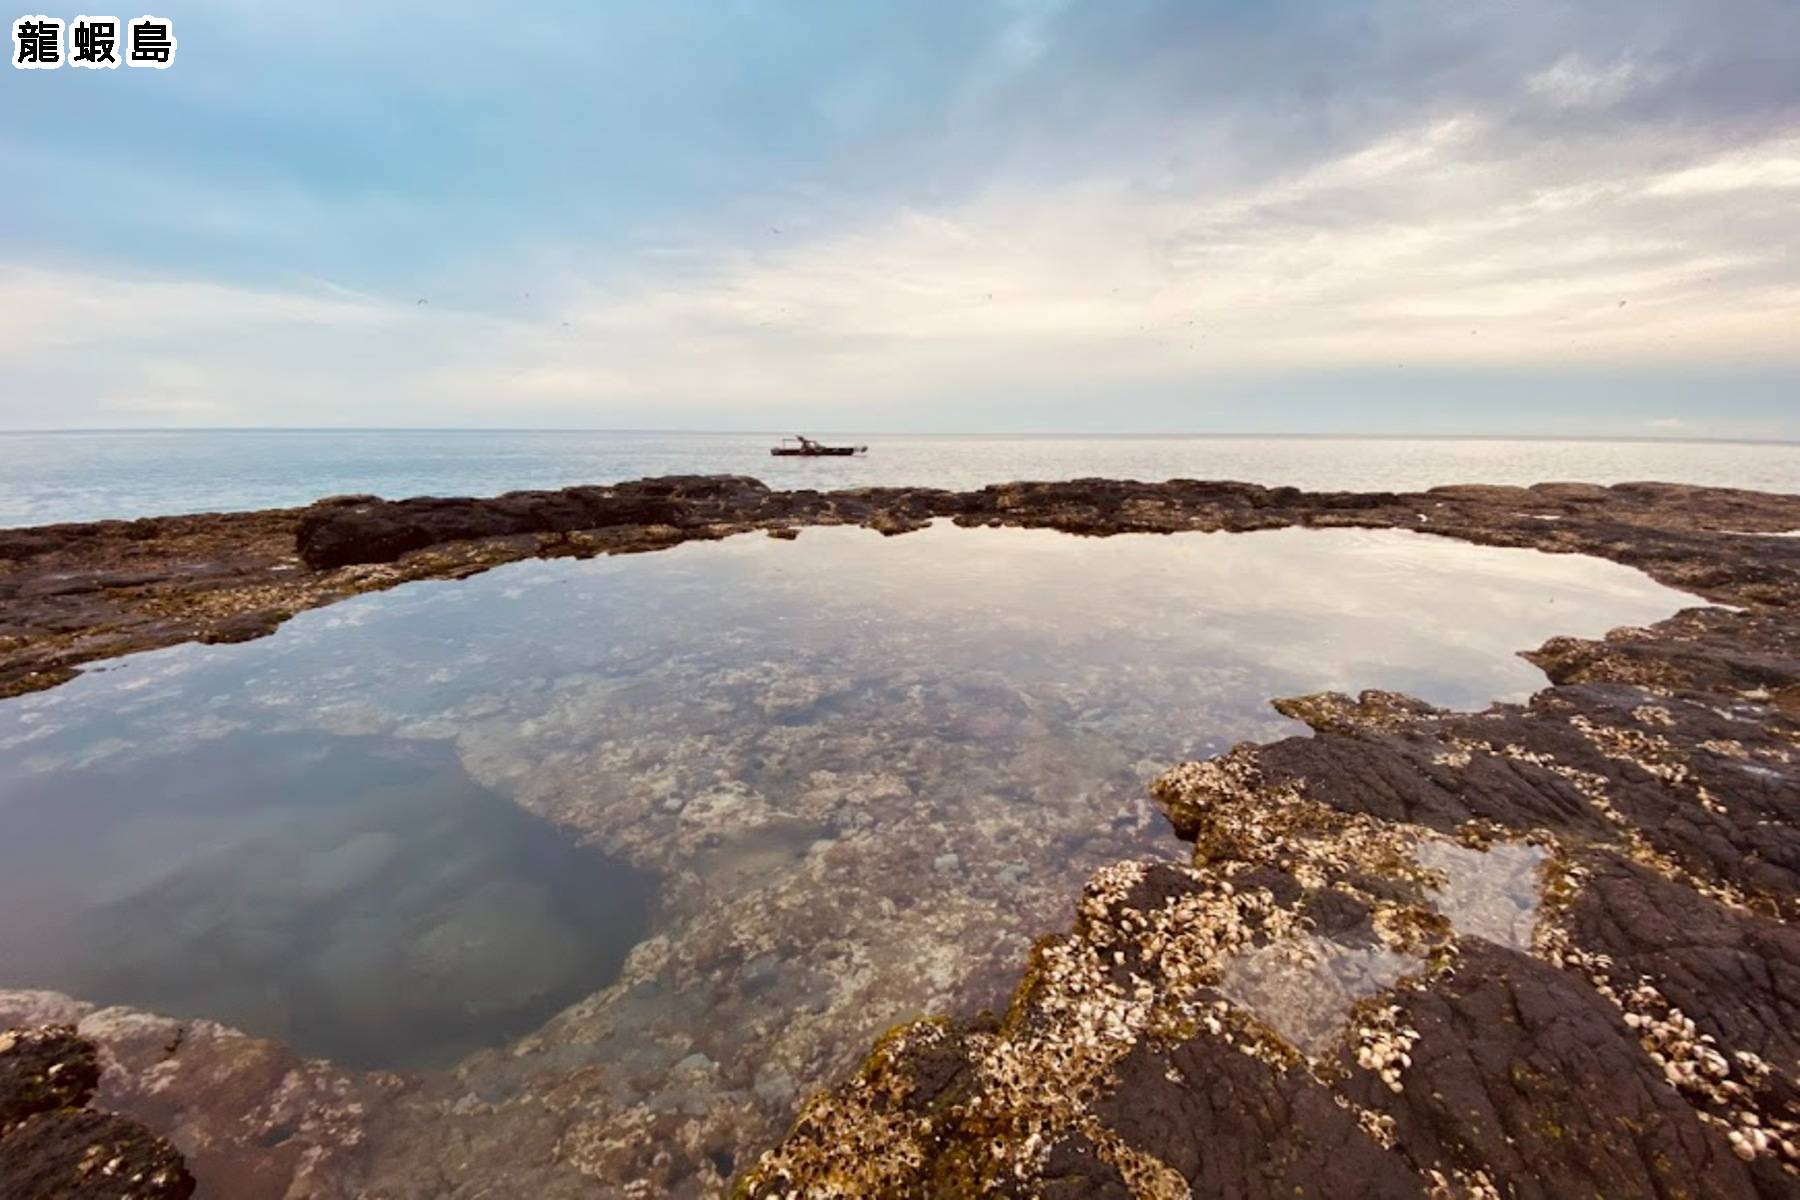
(53, 1149)
(44, 1069)
(1536, 951)
(362, 529)
(1527, 1077)
(75, 1154)
(1735, 975)
(71, 594)
(1230, 1125)
(1539, 950)
(1706, 649)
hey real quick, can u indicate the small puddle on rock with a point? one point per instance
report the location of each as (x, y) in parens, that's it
(1490, 893)
(1305, 986)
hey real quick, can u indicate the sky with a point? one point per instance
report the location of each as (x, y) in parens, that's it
(1352, 216)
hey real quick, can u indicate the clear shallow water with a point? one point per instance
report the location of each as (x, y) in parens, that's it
(79, 476)
(359, 898)
(862, 774)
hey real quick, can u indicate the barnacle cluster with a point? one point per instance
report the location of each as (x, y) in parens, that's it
(1383, 1045)
(1128, 972)
(1650, 752)
(1725, 1087)
(1462, 1185)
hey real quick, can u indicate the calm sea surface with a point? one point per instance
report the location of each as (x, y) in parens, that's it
(46, 477)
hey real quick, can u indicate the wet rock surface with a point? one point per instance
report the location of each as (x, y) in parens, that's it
(1547, 942)
(250, 1117)
(52, 1148)
(1593, 893)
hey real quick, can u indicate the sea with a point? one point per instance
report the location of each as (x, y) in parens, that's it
(48, 477)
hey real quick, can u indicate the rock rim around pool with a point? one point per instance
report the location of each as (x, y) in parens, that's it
(1540, 948)
(79, 593)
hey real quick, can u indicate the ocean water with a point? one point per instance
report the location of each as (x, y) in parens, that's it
(83, 476)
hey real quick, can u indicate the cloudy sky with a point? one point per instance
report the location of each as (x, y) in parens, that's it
(1470, 217)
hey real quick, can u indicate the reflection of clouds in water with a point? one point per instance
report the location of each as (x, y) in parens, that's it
(1259, 614)
(1233, 619)
(867, 771)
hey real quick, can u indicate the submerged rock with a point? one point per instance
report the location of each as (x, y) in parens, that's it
(1540, 949)
(249, 1116)
(1571, 971)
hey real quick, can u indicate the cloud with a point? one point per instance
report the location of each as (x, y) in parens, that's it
(1574, 82)
(1774, 167)
(1440, 246)
(1423, 247)
(87, 349)
(981, 215)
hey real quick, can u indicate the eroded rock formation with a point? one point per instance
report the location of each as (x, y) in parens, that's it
(1354, 991)
(1536, 950)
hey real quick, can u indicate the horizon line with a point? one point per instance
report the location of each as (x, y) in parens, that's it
(1191, 435)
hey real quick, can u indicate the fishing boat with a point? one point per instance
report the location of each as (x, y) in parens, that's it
(805, 447)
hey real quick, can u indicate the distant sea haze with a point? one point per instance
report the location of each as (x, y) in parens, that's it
(86, 476)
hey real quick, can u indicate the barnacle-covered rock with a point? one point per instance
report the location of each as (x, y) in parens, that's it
(1538, 950)
(1529, 951)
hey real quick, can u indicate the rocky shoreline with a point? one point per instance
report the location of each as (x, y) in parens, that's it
(1546, 944)
(74, 594)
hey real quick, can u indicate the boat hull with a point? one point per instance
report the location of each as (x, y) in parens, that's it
(825, 452)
